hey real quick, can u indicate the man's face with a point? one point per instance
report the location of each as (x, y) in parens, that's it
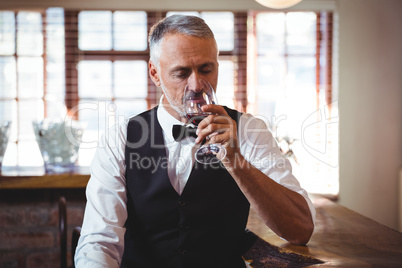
(184, 59)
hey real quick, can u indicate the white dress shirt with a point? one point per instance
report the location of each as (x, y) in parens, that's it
(102, 237)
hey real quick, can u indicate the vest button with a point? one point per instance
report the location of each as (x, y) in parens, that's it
(182, 203)
(181, 251)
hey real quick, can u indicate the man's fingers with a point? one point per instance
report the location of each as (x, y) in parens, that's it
(215, 109)
(216, 124)
(215, 119)
(210, 131)
(218, 138)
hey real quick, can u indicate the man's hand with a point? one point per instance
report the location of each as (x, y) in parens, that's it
(283, 210)
(219, 128)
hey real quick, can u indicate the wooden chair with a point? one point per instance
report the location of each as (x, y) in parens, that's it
(63, 234)
(74, 242)
(63, 231)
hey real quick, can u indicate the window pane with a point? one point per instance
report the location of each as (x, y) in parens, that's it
(97, 117)
(30, 77)
(55, 87)
(29, 111)
(127, 109)
(55, 108)
(55, 65)
(266, 109)
(95, 79)
(300, 93)
(55, 33)
(95, 30)
(130, 80)
(270, 76)
(225, 88)
(301, 29)
(29, 34)
(7, 33)
(10, 156)
(222, 25)
(130, 30)
(301, 73)
(271, 73)
(270, 33)
(8, 111)
(8, 77)
(31, 159)
(94, 115)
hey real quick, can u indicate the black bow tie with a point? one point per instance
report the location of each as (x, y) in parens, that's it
(180, 132)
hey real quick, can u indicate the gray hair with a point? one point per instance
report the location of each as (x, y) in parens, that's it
(176, 24)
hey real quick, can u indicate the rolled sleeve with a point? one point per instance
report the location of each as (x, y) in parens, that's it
(101, 243)
(259, 147)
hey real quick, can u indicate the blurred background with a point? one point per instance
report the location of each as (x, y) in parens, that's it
(93, 65)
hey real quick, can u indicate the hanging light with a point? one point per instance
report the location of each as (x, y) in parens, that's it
(278, 4)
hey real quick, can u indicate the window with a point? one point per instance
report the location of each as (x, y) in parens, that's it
(107, 30)
(112, 71)
(293, 93)
(93, 65)
(31, 75)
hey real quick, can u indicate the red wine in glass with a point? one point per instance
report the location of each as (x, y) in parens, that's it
(196, 118)
(196, 95)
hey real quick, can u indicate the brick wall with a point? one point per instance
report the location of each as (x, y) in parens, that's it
(29, 232)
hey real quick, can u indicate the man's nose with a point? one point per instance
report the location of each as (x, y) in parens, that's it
(194, 82)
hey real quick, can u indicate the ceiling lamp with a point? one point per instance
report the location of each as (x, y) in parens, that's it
(278, 4)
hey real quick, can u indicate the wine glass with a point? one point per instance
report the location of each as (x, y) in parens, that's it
(195, 96)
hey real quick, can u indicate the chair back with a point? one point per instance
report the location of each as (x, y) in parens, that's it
(63, 231)
(74, 241)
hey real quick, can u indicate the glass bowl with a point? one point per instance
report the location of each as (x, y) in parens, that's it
(58, 142)
(4, 135)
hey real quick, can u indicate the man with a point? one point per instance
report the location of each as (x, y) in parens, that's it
(149, 204)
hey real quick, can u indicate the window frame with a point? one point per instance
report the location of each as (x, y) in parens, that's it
(323, 92)
(73, 55)
(17, 99)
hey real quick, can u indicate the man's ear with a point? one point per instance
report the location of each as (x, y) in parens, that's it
(154, 74)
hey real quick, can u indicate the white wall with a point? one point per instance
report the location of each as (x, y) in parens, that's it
(370, 90)
(370, 105)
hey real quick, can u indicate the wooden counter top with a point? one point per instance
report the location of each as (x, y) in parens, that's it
(36, 178)
(342, 238)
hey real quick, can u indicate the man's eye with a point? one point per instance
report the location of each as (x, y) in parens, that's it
(206, 71)
(181, 74)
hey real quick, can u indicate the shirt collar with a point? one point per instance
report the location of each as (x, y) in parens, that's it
(166, 120)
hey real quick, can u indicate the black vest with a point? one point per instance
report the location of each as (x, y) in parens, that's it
(202, 227)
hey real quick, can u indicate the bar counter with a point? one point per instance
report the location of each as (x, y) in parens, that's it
(342, 238)
(36, 178)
